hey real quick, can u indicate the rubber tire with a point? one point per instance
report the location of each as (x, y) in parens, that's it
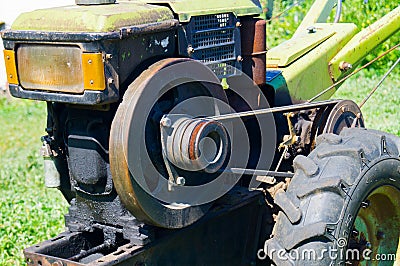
(326, 192)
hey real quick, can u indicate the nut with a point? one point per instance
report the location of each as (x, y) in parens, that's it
(166, 122)
(344, 66)
(190, 50)
(311, 29)
(180, 181)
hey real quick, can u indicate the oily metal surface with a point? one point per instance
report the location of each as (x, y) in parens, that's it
(125, 159)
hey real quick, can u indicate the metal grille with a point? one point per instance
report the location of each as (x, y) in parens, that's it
(203, 39)
(216, 42)
(212, 21)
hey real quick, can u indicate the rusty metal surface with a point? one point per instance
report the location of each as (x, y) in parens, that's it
(138, 100)
(214, 245)
(253, 38)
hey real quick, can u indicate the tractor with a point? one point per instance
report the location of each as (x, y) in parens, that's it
(178, 138)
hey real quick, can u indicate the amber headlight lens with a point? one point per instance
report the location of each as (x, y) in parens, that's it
(50, 68)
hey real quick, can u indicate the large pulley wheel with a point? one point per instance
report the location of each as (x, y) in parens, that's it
(343, 203)
(144, 154)
(345, 114)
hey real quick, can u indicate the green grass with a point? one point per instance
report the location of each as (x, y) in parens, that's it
(382, 110)
(29, 212)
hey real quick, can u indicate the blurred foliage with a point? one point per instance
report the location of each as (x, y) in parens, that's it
(360, 12)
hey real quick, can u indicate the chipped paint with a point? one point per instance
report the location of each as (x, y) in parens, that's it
(188, 8)
(165, 42)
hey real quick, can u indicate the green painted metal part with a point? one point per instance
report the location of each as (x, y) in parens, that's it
(308, 74)
(296, 47)
(188, 8)
(318, 13)
(95, 18)
(365, 41)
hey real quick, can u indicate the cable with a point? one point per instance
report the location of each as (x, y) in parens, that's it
(338, 11)
(379, 83)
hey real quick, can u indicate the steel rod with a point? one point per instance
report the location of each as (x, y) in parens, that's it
(288, 108)
(244, 171)
(91, 251)
(379, 83)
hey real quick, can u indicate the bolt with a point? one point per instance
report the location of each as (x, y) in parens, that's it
(89, 61)
(109, 56)
(238, 24)
(311, 29)
(166, 122)
(110, 80)
(344, 66)
(11, 76)
(190, 50)
(240, 58)
(180, 181)
(91, 82)
(8, 57)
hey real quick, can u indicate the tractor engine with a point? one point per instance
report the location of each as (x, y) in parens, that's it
(129, 88)
(168, 125)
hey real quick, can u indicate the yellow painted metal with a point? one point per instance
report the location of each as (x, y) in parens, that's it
(308, 75)
(287, 52)
(11, 67)
(365, 41)
(93, 71)
(318, 13)
(92, 18)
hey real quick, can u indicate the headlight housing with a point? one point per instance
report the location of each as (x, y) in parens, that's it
(60, 68)
(50, 68)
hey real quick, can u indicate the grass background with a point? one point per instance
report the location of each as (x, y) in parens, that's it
(30, 213)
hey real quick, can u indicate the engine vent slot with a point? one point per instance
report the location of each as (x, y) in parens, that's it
(215, 41)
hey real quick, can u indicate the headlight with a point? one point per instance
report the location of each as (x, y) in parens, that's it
(59, 68)
(50, 68)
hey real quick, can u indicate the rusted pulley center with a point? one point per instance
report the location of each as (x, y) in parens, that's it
(197, 144)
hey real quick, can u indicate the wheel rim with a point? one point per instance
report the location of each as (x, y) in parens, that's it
(376, 227)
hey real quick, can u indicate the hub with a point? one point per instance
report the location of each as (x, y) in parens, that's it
(196, 144)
